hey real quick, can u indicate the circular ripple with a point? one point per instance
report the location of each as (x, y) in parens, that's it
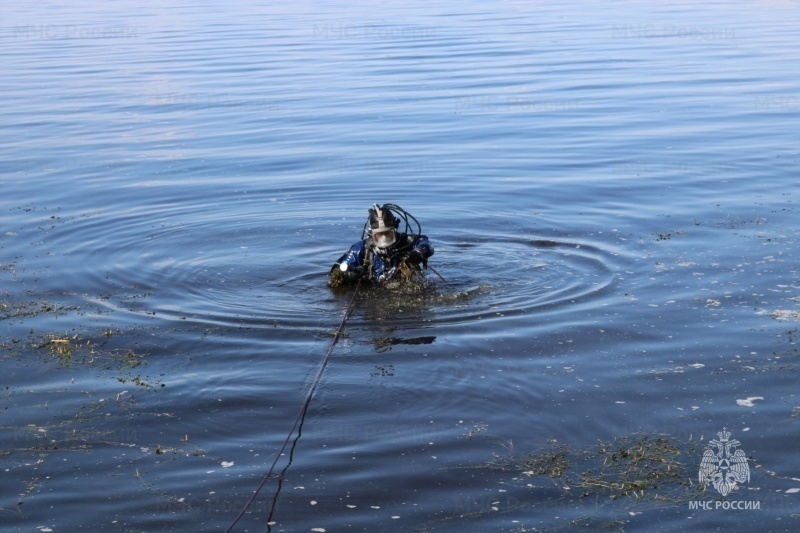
(263, 263)
(495, 277)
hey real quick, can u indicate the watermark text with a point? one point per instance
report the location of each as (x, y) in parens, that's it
(73, 31)
(672, 31)
(725, 505)
(373, 31)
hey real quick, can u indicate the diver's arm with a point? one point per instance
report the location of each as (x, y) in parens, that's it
(351, 262)
(421, 250)
(423, 246)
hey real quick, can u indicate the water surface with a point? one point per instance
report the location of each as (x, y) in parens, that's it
(610, 188)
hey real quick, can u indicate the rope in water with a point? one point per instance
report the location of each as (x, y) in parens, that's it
(437, 273)
(304, 407)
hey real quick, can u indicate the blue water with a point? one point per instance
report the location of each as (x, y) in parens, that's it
(611, 189)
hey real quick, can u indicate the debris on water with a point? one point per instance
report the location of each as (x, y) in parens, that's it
(785, 314)
(387, 370)
(792, 491)
(641, 467)
(226, 464)
(477, 429)
(748, 402)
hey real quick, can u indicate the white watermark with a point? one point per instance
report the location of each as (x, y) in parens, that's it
(373, 31)
(663, 166)
(724, 466)
(788, 102)
(671, 31)
(73, 31)
(725, 505)
(514, 104)
(215, 101)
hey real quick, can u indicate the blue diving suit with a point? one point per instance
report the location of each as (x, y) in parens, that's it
(380, 265)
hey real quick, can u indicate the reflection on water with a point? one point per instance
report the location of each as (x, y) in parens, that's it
(385, 344)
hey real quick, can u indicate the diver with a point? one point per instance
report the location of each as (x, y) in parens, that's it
(383, 256)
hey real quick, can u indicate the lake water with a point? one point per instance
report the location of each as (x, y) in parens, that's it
(611, 189)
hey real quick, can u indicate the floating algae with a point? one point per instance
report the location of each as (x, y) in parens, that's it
(644, 468)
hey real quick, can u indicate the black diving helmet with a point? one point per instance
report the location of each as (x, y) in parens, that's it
(383, 226)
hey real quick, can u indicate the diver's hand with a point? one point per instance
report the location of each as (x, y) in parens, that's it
(351, 275)
(415, 257)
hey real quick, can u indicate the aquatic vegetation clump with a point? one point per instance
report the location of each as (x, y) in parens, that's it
(640, 467)
(12, 309)
(553, 462)
(644, 468)
(336, 279)
(63, 349)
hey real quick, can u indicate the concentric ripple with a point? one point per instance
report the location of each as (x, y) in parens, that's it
(501, 276)
(199, 264)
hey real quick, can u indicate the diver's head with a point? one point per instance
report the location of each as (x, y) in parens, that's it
(383, 226)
